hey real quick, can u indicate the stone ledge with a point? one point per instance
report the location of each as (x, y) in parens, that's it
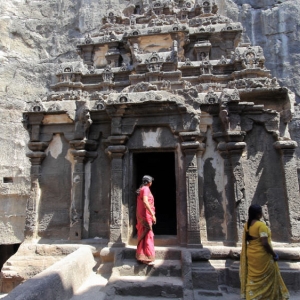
(59, 281)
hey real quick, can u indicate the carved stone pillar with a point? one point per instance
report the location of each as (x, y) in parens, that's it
(190, 147)
(77, 195)
(289, 164)
(200, 165)
(80, 155)
(231, 148)
(116, 152)
(36, 156)
(33, 203)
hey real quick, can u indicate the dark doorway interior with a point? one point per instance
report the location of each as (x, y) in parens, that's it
(161, 166)
(6, 251)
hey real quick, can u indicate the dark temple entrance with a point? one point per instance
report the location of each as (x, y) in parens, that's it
(161, 166)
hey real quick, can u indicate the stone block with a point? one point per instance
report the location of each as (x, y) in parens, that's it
(59, 281)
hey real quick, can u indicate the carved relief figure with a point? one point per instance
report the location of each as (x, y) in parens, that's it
(83, 120)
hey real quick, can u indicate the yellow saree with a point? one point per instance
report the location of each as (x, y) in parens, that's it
(259, 273)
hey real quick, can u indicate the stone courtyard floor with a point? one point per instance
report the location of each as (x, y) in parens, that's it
(91, 290)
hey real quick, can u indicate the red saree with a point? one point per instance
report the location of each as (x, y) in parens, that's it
(145, 251)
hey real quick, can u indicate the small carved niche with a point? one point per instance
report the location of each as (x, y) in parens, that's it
(8, 180)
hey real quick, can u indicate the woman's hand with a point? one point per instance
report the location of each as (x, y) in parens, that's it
(276, 257)
(268, 248)
(154, 219)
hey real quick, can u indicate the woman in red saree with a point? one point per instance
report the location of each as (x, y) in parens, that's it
(145, 215)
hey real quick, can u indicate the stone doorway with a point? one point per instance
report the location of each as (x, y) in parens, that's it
(161, 166)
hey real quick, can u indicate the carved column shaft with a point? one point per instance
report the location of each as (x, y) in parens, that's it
(240, 204)
(32, 208)
(190, 149)
(203, 229)
(116, 153)
(234, 189)
(77, 195)
(231, 235)
(287, 149)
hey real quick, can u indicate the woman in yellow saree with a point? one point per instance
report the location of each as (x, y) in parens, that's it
(259, 273)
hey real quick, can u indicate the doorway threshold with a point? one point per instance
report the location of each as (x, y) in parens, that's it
(160, 240)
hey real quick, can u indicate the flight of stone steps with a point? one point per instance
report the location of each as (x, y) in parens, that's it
(131, 278)
(173, 275)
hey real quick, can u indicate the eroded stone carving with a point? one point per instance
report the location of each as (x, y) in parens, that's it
(83, 120)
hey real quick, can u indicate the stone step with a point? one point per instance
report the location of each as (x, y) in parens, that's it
(208, 275)
(289, 271)
(160, 253)
(215, 295)
(117, 297)
(160, 241)
(156, 286)
(166, 268)
(207, 293)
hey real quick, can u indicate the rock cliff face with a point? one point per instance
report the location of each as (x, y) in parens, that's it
(36, 36)
(274, 25)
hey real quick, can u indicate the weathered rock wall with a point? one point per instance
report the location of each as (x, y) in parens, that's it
(274, 25)
(37, 35)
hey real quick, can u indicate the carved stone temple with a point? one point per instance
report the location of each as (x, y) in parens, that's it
(174, 90)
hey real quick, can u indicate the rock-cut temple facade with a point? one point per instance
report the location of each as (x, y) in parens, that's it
(174, 90)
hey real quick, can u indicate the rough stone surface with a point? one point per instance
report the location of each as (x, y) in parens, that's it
(273, 24)
(60, 281)
(30, 260)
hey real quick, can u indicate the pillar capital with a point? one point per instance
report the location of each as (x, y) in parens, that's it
(229, 136)
(231, 147)
(38, 146)
(83, 144)
(117, 139)
(192, 142)
(116, 151)
(36, 157)
(287, 147)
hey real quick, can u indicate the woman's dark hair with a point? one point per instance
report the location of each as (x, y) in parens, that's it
(145, 180)
(254, 212)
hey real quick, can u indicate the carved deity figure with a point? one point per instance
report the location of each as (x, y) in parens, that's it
(83, 120)
(108, 75)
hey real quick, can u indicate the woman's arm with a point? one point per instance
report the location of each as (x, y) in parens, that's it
(145, 200)
(268, 248)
